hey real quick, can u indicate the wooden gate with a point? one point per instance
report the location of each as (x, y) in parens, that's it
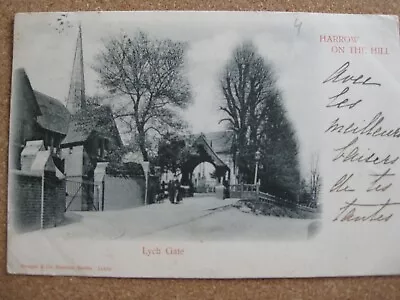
(82, 195)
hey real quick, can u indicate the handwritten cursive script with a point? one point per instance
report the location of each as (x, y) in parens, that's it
(370, 129)
(354, 151)
(337, 101)
(348, 213)
(341, 76)
(343, 184)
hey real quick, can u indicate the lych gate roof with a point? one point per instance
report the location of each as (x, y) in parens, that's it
(219, 141)
(55, 116)
(201, 140)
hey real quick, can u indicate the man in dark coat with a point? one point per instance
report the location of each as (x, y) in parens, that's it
(178, 191)
(171, 191)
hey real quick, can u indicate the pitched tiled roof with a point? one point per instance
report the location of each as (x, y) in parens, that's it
(52, 115)
(23, 92)
(81, 126)
(55, 116)
(77, 132)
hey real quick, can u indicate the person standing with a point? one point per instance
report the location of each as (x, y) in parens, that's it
(178, 191)
(226, 189)
(163, 189)
(171, 191)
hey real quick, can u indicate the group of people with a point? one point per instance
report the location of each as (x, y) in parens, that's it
(173, 190)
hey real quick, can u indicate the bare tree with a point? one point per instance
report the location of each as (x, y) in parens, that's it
(315, 180)
(148, 74)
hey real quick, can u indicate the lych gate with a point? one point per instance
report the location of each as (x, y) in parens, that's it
(203, 152)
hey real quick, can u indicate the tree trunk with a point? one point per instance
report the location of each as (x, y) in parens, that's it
(142, 143)
(241, 144)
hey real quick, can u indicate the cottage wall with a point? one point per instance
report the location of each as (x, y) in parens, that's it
(73, 161)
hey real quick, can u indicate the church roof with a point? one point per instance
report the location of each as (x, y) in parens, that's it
(23, 93)
(55, 116)
(83, 125)
(77, 132)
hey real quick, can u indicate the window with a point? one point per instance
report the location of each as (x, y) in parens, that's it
(99, 145)
(100, 149)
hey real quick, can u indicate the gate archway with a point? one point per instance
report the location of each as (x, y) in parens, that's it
(203, 153)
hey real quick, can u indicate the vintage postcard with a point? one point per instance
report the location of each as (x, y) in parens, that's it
(204, 145)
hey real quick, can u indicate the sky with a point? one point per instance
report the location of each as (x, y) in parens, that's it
(211, 41)
(290, 42)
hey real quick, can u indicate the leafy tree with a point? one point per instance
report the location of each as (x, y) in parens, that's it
(148, 75)
(254, 110)
(174, 151)
(247, 82)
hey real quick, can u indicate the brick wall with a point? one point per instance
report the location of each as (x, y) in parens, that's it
(25, 200)
(54, 200)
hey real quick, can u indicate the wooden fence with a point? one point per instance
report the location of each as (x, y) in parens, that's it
(253, 193)
(244, 191)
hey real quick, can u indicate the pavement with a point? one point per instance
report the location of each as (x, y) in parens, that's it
(196, 218)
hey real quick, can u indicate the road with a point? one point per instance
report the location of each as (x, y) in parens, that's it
(197, 218)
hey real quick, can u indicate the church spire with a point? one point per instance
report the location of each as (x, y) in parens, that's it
(76, 96)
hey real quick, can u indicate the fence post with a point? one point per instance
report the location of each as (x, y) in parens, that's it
(258, 191)
(103, 183)
(42, 204)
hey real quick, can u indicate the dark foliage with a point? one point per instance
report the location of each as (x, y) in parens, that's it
(174, 151)
(254, 111)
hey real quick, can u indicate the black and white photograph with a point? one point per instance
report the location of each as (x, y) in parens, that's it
(169, 127)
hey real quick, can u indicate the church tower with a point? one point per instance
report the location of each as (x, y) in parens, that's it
(76, 96)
